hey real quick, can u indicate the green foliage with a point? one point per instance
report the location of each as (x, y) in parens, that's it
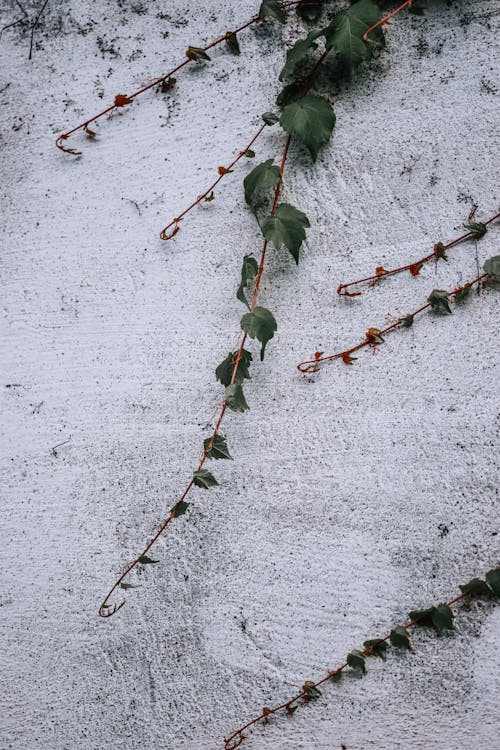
(439, 300)
(440, 618)
(356, 660)
(296, 54)
(492, 267)
(270, 118)
(407, 321)
(400, 638)
(312, 119)
(249, 270)
(180, 508)
(232, 44)
(235, 398)
(477, 229)
(310, 689)
(205, 479)
(272, 9)
(219, 448)
(197, 54)
(345, 33)
(286, 227)
(475, 587)
(418, 7)
(461, 294)
(493, 578)
(290, 93)
(129, 586)
(377, 647)
(145, 560)
(310, 10)
(224, 372)
(262, 177)
(261, 325)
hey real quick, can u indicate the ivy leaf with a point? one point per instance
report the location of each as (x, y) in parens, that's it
(493, 578)
(235, 398)
(232, 43)
(290, 93)
(418, 7)
(440, 251)
(129, 586)
(345, 33)
(475, 587)
(442, 618)
(270, 118)
(400, 638)
(310, 689)
(197, 54)
(224, 372)
(439, 301)
(261, 325)
(263, 176)
(407, 321)
(492, 267)
(477, 229)
(249, 153)
(145, 560)
(168, 84)
(377, 648)
(311, 118)
(286, 227)
(461, 294)
(356, 660)
(249, 271)
(219, 448)
(309, 10)
(422, 617)
(272, 9)
(336, 675)
(205, 479)
(297, 53)
(180, 508)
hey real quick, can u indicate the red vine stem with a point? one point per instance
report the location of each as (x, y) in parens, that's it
(165, 234)
(386, 19)
(106, 610)
(373, 335)
(237, 738)
(414, 267)
(121, 100)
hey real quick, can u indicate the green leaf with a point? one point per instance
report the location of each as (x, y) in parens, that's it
(197, 54)
(422, 617)
(297, 53)
(272, 9)
(493, 578)
(205, 479)
(356, 660)
(418, 7)
(378, 647)
(477, 229)
(311, 118)
(400, 638)
(310, 689)
(129, 586)
(219, 448)
(145, 560)
(262, 177)
(224, 372)
(345, 33)
(492, 267)
(287, 227)
(442, 618)
(261, 325)
(475, 587)
(235, 398)
(249, 271)
(232, 43)
(310, 10)
(249, 153)
(336, 676)
(461, 294)
(180, 508)
(270, 118)
(290, 93)
(407, 321)
(439, 301)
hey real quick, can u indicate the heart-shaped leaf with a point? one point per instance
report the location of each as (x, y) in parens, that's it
(261, 325)
(312, 119)
(287, 227)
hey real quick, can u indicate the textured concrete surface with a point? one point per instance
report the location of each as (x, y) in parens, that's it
(352, 498)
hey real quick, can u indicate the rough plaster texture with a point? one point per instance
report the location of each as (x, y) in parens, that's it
(330, 523)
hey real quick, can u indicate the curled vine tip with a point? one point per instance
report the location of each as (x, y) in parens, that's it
(108, 610)
(61, 147)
